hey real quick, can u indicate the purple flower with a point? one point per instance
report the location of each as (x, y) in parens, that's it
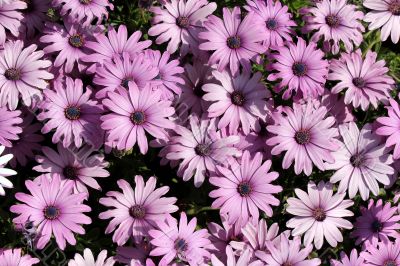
(319, 214)
(9, 126)
(365, 80)
(354, 260)
(234, 41)
(10, 18)
(301, 69)
(244, 259)
(387, 253)
(9, 257)
(136, 255)
(35, 16)
(180, 21)
(389, 127)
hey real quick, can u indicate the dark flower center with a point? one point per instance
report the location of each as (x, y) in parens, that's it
(70, 172)
(197, 90)
(180, 245)
(244, 189)
(333, 21)
(203, 149)
(76, 40)
(390, 263)
(356, 160)
(271, 24)
(85, 2)
(233, 42)
(302, 137)
(138, 117)
(299, 69)
(237, 98)
(51, 212)
(319, 214)
(394, 7)
(125, 82)
(137, 212)
(72, 112)
(359, 82)
(183, 22)
(377, 226)
(12, 74)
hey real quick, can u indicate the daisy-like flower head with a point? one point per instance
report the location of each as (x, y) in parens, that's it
(387, 254)
(301, 69)
(22, 73)
(319, 214)
(377, 223)
(9, 126)
(201, 148)
(168, 78)
(115, 44)
(121, 70)
(136, 211)
(69, 42)
(244, 259)
(388, 127)
(365, 80)
(88, 259)
(246, 184)
(133, 113)
(289, 252)
(14, 257)
(276, 18)
(10, 18)
(172, 240)
(354, 259)
(239, 100)
(361, 162)
(54, 209)
(384, 14)
(180, 21)
(35, 16)
(234, 41)
(84, 11)
(5, 172)
(74, 116)
(307, 134)
(80, 166)
(335, 21)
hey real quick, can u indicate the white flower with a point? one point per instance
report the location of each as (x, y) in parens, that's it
(88, 259)
(5, 172)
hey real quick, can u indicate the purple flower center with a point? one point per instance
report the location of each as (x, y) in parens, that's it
(299, 69)
(332, 21)
(233, 42)
(203, 149)
(390, 263)
(377, 226)
(183, 22)
(70, 172)
(125, 82)
(244, 189)
(319, 214)
(356, 160)
(51, 212)
(237, 98)
(271, 24)
(85, 2)
(302, 137)
(12, 74)
(180, 245)
(358, 82)
(394, 7)
(138, 117)
(137, 212)
(72, 112)
(76, 40)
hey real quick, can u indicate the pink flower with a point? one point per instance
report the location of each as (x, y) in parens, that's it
(385, 15)
(54, 209)
(234, 42)
(354, 260)
(336, 107)
(10, 18)
(377, 223)
(388, 127)
(244, 259)
(88, 259)
(247, 185)
(365, 80)
(307, 141)
(335, 22)
(361, 162)
(180, 241)
(14, 257)
(74, 116)
(319, 214)
(387, 254)
(277, 21)
(22, 73)
(9, 126)
(132, 114)
(136, 211)
(239, 100)
(180, 21)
